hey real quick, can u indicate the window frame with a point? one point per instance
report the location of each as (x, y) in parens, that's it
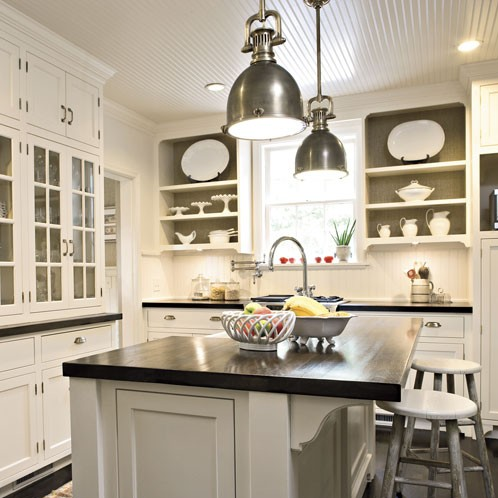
(352, 127)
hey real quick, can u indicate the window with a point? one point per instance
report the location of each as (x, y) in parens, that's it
(303, 209)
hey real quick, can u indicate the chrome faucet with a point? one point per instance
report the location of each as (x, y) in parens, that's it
(305, 290)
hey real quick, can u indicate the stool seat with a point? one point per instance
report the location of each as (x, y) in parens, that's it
(430, 405)
(446, 366)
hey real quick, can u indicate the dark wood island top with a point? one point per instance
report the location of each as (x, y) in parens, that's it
(371, 360)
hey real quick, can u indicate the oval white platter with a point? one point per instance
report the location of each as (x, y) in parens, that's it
(205, 160)
(415, 140)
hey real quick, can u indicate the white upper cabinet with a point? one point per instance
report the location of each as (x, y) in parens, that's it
(60, 102)
(489, 114)
(9, 81)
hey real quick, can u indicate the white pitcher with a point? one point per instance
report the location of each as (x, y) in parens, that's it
(439, 224)
(384, 231)
(408, 227)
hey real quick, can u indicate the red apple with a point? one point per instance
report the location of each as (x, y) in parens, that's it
(264, 310)
(291, 260)
(328, 259)
(318, 259)
(283, 260)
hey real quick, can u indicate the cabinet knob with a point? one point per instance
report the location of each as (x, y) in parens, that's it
(169, 317)
(80, 340)
(215, 318)
(432, 325)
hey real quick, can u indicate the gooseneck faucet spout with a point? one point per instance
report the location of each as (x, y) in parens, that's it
(306, 290)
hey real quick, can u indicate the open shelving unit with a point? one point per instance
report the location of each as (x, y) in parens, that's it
(447, 172)
(176, 189)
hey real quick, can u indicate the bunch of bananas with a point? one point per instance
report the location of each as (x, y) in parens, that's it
(305, 306)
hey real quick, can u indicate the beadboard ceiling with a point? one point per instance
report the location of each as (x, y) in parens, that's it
(165, 51)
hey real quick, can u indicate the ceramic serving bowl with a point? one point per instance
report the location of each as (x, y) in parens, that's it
(320, 327)
(414, 192)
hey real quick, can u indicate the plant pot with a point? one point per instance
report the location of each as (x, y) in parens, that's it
(342, 253)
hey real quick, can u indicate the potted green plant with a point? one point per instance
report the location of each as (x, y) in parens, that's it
(342, 237)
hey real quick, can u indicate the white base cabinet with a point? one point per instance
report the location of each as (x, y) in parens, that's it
(34, 396)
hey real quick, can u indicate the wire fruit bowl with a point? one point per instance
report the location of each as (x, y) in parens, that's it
(258, 332)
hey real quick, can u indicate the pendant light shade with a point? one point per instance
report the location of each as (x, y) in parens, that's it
(265, 101)
(322, 154)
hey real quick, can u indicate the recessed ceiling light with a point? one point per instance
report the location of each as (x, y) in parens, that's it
(215, 87)
(469, 45)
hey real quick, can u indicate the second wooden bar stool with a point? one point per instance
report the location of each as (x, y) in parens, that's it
(451, 367)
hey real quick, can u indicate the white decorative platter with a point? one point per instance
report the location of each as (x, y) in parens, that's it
(416, 140)
(205, 160)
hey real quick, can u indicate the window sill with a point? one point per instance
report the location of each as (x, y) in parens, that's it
(356, 265)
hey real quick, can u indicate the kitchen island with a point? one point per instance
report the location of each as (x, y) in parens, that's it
(194, 416)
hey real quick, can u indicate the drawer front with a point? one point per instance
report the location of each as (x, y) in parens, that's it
(16, 354)
(75, 343)
(443, 326)
(176, 318)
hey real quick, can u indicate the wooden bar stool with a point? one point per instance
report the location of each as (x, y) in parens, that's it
(428, 405)
(451, 367)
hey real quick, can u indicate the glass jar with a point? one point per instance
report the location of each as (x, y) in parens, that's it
(232, 291)
(199, 290)
(217, 291)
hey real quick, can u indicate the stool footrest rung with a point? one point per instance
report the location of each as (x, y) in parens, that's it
(425, 462)
(477, 468)
(420, 482)
(465, 454)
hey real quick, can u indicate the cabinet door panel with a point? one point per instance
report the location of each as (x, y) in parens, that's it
(10, 223)
(82, 102)
(489, 115)
(9, 82)
(45, 85)
(182, 444)
(18, 427)
(489, 348)
(56, 414)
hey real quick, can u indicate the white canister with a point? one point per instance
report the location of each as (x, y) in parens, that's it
(421, 290)
(384, 231)
(408, 227)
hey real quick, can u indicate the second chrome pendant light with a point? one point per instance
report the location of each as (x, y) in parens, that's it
(322, 154)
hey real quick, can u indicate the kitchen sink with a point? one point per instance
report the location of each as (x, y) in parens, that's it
(278, 299)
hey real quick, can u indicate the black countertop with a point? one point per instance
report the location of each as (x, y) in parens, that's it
(60, 323)
(371, 360)
(460, 307)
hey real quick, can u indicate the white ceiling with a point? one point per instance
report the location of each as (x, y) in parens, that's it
(165, 51)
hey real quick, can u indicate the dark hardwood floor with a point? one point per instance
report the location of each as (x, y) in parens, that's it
(44, 486)
(475, 487)
(421, 438)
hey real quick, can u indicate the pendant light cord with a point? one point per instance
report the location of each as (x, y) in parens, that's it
(318, 56)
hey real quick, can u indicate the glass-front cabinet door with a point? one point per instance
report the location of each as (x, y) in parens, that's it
(65, 233)
(10, 219)
(84, 242)
(50, 247)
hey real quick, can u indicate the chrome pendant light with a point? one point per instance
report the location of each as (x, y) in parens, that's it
(265, 101)
(321, 155)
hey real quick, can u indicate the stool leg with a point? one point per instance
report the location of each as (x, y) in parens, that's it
(438, 386)
(450, 383)
(410, 427)
(481, 442)
(459, 488)
(393, 456)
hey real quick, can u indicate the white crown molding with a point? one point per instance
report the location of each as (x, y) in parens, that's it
(361, 105)
(33, 33)
(127, 116)
(478, 71)
(191, 127)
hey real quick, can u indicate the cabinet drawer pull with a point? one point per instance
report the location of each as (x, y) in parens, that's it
(70, 122)
(433, 325)
(215, 318)
(66, 247)
(80, 340)
(63, 119)
(72, 247)
(169, 317)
